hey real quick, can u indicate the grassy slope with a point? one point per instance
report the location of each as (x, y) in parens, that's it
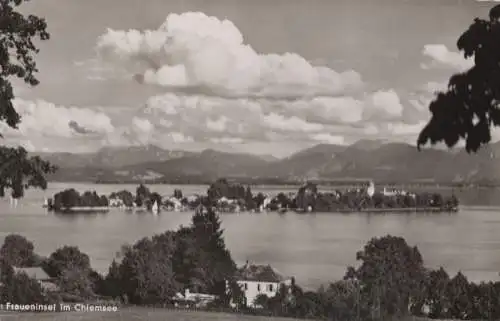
(149, 314)
(133, 314)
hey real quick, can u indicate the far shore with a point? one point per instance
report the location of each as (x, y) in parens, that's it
(328, 184)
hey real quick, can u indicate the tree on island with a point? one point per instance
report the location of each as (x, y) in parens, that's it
(70, 198)
(469, 108)
(178, 194)
(142, 193)
(18, 171)
(125, 196)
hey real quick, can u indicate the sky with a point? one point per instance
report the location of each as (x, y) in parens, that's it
(264, 77)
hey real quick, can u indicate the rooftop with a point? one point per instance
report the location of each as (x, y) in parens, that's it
(259, 273)
(33, 272)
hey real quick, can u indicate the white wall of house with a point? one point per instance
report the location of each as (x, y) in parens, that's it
(252, 289)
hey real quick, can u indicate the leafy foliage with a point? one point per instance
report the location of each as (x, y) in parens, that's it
(70, 198)
(76, 283)
(125, 196)
(66, 258)
(145, 274)
(17, 48)
(392, 274)
(21, 289)
(213, 256)
(223, 188)
(469, 108)
(18, 251)
(142, 193)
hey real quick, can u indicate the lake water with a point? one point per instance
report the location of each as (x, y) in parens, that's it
(315, 248)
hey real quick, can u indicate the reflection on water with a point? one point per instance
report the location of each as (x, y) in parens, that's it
(315, 248)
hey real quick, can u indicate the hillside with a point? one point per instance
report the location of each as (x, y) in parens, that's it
(367, 159)
(113, 157)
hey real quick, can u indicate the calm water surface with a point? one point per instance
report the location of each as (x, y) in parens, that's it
(315, 248)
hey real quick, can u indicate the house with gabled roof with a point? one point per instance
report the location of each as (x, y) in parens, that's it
(46, 282)
(255, 280)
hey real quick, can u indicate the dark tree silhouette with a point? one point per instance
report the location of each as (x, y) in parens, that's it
(18, 251)
(17, 32)
(392, 274)
(469, 108)
(66, 258)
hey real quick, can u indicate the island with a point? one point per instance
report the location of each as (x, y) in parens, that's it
(228, 197)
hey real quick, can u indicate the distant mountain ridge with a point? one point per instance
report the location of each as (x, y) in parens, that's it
(366, 159)
(113, 157)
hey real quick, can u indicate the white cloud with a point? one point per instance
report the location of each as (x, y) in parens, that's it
(178, 137)
(171, 119)
(210, 56)
(218, 90)
(142, 125)
(47, 119)
(442, 57)
(218, 125)
(281, 123)
(227, 140)
(434, 86)
(406, 129)
(328, 138)
(386, 104)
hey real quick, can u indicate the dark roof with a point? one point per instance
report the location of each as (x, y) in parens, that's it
(260, 273)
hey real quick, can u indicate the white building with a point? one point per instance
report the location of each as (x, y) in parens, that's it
(371, 189)
(259, 279)
(116, 202)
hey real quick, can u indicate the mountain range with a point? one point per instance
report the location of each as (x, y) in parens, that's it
(365, 159)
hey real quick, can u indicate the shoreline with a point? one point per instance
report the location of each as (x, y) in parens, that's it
(103, 209)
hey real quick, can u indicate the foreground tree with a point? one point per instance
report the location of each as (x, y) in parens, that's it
(17, 33)
(469, 108)
(213, 257)
(437, 293)
(75, 283)
(18, 251)
(391, 274)
(145, 275)
(67, 258)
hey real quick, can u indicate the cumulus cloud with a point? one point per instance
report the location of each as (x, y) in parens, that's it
(434, 86)
(218, 125)
(281, 123)
(178, 137)
(209, 118)
(328, 138)
(385, 104)
(442, 57)
(47, 119)
(45, 125)
(78, 129)
(207, 55)
(218, 89)
(405, 129)
(227, 140)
